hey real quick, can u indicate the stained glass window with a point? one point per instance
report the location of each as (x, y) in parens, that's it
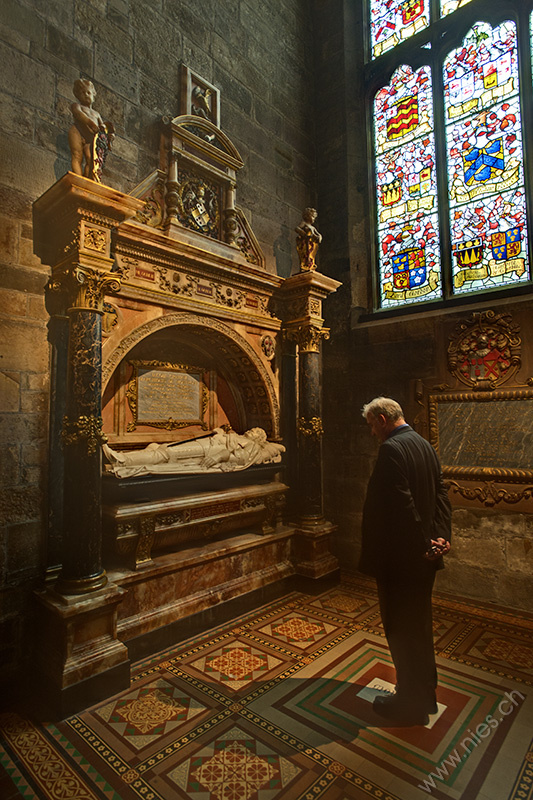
(392, 21)
(408, 230)
(448, 6)
(449, 130)
(485, 171)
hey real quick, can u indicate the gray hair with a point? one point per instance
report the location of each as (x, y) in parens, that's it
(383, 405)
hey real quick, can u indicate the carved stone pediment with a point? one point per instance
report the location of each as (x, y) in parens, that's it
(201, 138)
(194, 188)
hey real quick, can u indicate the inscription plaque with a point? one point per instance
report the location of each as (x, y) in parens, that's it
(163, 395)
(489, 434)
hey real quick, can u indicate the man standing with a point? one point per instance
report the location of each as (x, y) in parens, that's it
(406, 531)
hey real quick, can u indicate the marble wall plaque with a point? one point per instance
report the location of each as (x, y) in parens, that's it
(497, 433)
(167, 394)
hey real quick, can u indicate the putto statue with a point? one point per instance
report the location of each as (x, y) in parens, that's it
(220, 451)
(307, 240)
(89, 138)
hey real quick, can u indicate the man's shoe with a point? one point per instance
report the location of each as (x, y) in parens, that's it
(398, 711)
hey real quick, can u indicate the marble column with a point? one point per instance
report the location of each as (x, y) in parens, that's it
(309, 422)
(56, 305)
(78, 654)
(302, 297)
(73, 225)
(82, 435)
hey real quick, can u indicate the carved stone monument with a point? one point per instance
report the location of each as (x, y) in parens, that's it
(166, 326)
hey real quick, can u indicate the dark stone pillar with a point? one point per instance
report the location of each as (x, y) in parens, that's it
(288, 384)
(78, 656)
(302, 297)
(82, 435)
(56, 303)
(310, 436)
(73, 225)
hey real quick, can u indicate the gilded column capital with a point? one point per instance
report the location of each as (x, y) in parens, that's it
(307, 337)
(85, 287)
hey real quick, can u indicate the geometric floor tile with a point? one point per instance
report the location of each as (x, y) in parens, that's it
(298, 630)
(234, 766)
(345, 603)
(499, 651)
(146, 714)
(235, 665)
(476, 716)
(277, 705)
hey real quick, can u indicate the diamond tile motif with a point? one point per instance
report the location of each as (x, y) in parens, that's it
(234, 767)
(491, 650)
(516, 655)
(298, 630)
(277, 705)
(143, 716)
(235, 665)
(343, 602)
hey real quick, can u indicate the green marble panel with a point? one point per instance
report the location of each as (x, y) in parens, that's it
(497, 433)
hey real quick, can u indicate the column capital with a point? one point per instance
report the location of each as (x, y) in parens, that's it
(307, 337)
(84, 287)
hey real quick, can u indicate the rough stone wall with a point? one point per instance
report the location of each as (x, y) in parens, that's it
(258, 54)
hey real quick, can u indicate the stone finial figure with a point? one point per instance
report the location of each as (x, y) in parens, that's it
(307, 240)
(221, 451)
(89, 137)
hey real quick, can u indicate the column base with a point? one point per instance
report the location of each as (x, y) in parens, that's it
(311, 553)
(80, 660)
(69, 586)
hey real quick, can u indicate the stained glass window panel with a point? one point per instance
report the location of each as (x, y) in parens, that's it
(531, 37)
(485, 165)
(392, 21)
(408, 230)
(448, 6)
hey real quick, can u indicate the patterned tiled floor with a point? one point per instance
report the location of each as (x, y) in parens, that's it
(277, 706)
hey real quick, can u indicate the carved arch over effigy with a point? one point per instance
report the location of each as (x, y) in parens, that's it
(236, 360)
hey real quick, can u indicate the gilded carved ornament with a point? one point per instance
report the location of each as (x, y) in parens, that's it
(485, 350)
(92, 286)
(95, 239)
(145, 541)
(310, 427)
(268, 346)
(88, 428)
(307, 337)
(85, 287)
(153, 212)
(489, 494)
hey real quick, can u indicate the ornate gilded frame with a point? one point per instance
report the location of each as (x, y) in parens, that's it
(170, 424)
(488, 493)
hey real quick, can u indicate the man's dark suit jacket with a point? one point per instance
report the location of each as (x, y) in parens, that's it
(406, 505)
